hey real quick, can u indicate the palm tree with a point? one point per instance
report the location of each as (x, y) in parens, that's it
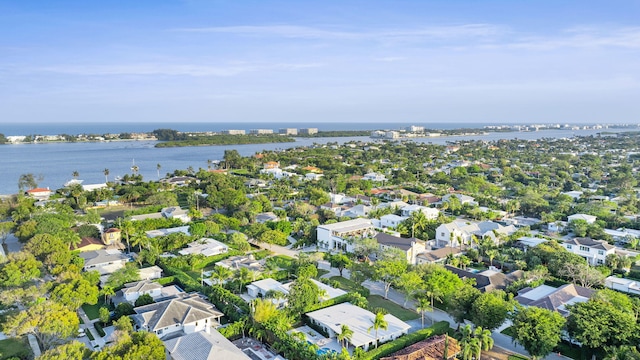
(158, 167)
(419, 221)
(345, 335)
(423, 306)
(220, 274)
(485, 340)
(106, 175)
(75, 174)
(469, 348)
(107, 291)
(378, 323)
(491, 254)
(612, 261)
(464, 261)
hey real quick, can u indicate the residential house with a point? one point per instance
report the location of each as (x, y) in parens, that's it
(628, 286)
(488, 280)
(266, 216)
(440, 347)
(554, 299)
(374, 176)
(168, 231)
(111, 236)
(168, 213)
(437, 256)
(312, 176)
(411, 247)
(39, 193)
(359, 320)
(393, 205)
(150, 273)
(188, 313)
(590, 219)
(260, 289)
(206, 247)
(104, 261)
(203, 345)
(464, 199)
(355, 211)
(594, 251)
(242, 261)
(391, 220)
(462, 231)
(132, 291)
(337, 236)
(333, 207)
(89, 244)
(430, 213)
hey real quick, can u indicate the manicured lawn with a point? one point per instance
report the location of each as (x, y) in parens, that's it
(322, 272)
(508, 331)
(517, 357)
(93, 311)
(282, 261)
(377, 301)
(346, 284)
(14, 347)
(573, 352)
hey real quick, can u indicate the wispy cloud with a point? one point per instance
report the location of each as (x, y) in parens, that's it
(305, 32)
(170, 69)
(582, 37)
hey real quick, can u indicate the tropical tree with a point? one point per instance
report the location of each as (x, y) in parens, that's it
(220, 274)
(491, 254)
(75, 174)
(538, 330)
(158, 167)
(107, 291)
(424, 305)
(106, 175)
(345, 335)
(379, 322)
(484, 339)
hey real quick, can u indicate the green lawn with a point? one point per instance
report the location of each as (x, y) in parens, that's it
(322, 272)
(14, 347)
(508, 331)
(93, 311)
(517, 357)
(282, 261)
(346, 284)
(377, 301)
(573, 352)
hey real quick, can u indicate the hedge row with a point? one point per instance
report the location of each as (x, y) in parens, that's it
(406, 340)
(99, 329)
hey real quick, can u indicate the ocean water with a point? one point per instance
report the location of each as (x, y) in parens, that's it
(54, 163)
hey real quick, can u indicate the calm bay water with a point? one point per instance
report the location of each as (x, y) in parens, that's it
(56, 162)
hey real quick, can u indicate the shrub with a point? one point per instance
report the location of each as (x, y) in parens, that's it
(99, 329)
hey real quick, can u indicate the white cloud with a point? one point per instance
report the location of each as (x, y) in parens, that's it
(305, 32)
(144, 69)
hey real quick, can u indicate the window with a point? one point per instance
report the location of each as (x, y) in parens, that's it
(600, 252)
(441, 234)
(584, 248)
(569, 247)
(600, 262)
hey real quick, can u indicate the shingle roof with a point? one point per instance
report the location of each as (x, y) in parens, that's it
(596, 244)
(203, 346)
(180, 310)
(394, 241)
(140, 286)
(488, 280)
(102, 257)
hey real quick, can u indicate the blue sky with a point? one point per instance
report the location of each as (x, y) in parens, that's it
(301, 61)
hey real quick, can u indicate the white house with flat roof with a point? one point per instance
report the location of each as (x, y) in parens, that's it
(590, 219)
(391, 220)
(359, 320)
(625, 285)
(168, 231)
(337, 236)
(206, 247)
(429, 213)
